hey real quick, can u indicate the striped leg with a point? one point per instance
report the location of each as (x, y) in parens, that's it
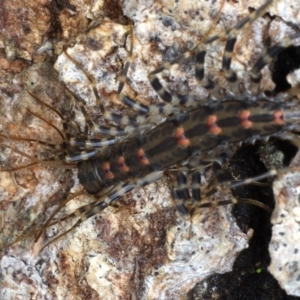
(255, 74)
(130, 123)
(231, 37)
(233, 200)
(178, 99)
(200, 51)
(224, 184)
(188, 204)
(181, 194)
(59, 151)
(87, 211)
(230, 75)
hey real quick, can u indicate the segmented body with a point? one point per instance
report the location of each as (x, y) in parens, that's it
(110, 172)
(196, 132)
(190, 132)
(185, 131)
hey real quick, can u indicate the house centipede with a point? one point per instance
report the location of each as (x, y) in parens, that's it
(165, 95)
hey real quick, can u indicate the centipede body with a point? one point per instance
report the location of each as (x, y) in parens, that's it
(143, 95)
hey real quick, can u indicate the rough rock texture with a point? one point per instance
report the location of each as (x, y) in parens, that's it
(284, 246)
(144, 249)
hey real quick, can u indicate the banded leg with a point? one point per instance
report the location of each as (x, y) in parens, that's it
(65, 135)
(231, 37)
(181, 194)
(224, 184)
(231, 75)
(75, 143)
(89, 146)
(130, 123)
(154, 81)
(200, 51)
(137, 107)
(220, 177)
(94, 128)
(233, 200)
(87, 211)
(255, 74)
(88, 143)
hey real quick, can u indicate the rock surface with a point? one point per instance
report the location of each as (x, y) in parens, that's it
(144, 249)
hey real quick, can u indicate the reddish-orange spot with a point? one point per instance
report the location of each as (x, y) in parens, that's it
(278, 117)
(142, 157)
(181, 138)
(108, 173)
(122, 165)
(211, 122)
(244, 116)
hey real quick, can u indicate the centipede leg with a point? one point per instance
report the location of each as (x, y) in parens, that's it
(130, 122)
(87, 211)
(158, 87)
(200, 52)
(294, 138)
(196, 192)
(227, 184)
(179, 202)
(255, 74)
(146, 115)
(181, 194)
(231, 75)
(58, 150)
